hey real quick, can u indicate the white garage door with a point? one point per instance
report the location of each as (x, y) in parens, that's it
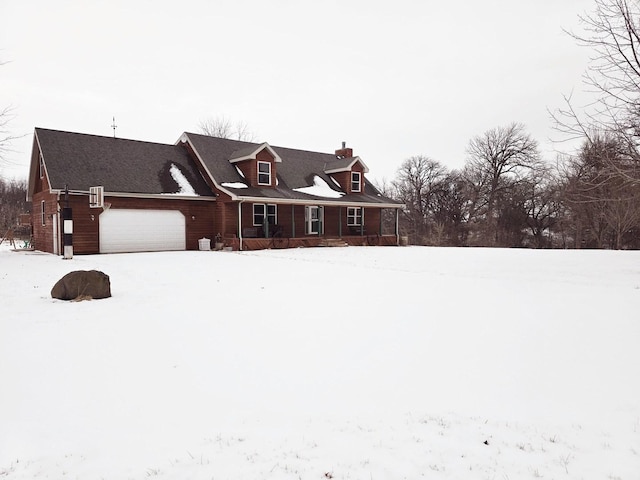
(124, 230)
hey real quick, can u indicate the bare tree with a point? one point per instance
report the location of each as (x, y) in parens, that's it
(612, 33)
(497, 160)
(222, 127)
(542, 205)
(13, 202)
(6, 115)
(417, 181)
(603, 204)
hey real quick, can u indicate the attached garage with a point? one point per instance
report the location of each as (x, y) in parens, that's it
(138, 230)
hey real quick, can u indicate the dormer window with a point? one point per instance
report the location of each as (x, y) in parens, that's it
(356, 181)
(264, 173)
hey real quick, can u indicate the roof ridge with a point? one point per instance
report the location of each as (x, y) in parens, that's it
(103, 136)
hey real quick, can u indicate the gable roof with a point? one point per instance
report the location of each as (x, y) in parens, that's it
(80, 161)
(250, 152)
(344, 165)
(297, 170)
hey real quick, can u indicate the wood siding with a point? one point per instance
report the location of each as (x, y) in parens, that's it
(86, 221)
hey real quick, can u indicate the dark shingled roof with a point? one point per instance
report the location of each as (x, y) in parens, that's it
(81, 161)
(297, 170)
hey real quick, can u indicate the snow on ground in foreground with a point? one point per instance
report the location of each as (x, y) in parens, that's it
(350, 363)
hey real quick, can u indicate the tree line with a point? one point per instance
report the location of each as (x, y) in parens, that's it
(13, 202)
(507, 196)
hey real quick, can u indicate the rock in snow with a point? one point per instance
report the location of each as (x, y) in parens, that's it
(82, 285)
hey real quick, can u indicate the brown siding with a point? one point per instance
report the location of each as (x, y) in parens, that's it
(86, 220)
(43, 234)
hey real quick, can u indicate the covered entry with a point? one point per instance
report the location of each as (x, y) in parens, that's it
(137, 230)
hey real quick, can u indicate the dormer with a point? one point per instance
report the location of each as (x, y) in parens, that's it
(257, 164)
(347, 170)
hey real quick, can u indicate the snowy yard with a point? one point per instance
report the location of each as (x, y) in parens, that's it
(345, 363)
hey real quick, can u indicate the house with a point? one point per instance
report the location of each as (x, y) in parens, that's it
(129, 195)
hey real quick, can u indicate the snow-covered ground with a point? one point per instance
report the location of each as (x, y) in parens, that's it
(347, 363)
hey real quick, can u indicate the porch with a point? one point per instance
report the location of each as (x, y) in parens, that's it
(324, 241)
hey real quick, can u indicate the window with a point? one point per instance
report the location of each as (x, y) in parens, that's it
(41, 166)
(264, 173)
(356, 181)
(96, 197)
(259, 210)
(42, 212)
(354, 216)
(314, 220)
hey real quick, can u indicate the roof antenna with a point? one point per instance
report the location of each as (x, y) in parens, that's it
(114, 126)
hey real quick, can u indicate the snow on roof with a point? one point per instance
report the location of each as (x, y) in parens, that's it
(234, 185)
(320, 188)
(181, 180)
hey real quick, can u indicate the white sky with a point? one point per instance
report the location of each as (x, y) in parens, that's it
(392, 79)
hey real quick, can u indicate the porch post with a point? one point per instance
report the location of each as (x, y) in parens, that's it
(362, 222)
(340, 221)
(380, 229)
(396, 227)
(293, 221)
(240, 224)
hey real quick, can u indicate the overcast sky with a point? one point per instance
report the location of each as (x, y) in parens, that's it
(393, 79)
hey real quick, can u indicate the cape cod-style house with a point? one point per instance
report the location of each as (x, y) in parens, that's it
(129, 195)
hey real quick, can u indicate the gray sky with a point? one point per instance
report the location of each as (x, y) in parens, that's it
(391, 78)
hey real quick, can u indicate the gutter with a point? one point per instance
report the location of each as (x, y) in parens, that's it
(163, 196)
(312, 201)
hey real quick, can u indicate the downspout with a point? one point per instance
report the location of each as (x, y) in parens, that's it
(58, 246)
(240, 224)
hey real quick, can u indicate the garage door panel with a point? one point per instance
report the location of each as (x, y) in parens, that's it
(129, 230)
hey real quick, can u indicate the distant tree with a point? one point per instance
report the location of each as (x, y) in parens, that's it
(13, 202)
(451, 210)
(604, 205)
(497, 161)
(6, 115)
(222, 127)
(417, 181)
(542, 205)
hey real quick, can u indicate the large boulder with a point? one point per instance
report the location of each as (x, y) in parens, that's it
(82, 285)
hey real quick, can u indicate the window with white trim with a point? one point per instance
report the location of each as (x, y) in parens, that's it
(356, 181)
(41, 166)
(259, 210)
(354, 216)
(43, 213)
(96, 197)
(264, 173)
(314, 220)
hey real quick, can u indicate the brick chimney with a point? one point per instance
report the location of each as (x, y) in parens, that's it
(344, 152)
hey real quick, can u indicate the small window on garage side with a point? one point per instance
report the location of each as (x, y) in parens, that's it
(43, 213)
(96, 197)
